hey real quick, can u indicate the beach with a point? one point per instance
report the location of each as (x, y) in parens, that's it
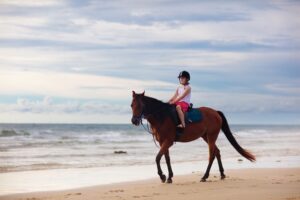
(275, 183)
(109, 99)
(71, 161)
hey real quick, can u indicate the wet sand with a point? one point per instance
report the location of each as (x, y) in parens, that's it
(274, 183)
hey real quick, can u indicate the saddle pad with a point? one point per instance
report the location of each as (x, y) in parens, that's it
(193, 115)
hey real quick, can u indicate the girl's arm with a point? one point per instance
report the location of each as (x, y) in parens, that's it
(174, 96)
(188, 90)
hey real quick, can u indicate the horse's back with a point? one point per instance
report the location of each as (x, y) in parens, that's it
(210, 116)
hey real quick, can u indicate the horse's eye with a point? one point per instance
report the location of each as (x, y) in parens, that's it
(131, 105)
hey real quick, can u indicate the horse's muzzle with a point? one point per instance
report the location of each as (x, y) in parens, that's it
(135, 120)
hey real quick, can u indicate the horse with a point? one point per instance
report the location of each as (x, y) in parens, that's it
(158, 114)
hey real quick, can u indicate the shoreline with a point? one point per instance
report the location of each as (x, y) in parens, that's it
(70, 178)
(258, 183)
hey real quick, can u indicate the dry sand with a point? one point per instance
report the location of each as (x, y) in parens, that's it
(240, 184)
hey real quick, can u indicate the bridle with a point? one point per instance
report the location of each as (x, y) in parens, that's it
(141, 116)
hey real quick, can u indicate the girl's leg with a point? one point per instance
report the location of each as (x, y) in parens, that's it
(181, 116)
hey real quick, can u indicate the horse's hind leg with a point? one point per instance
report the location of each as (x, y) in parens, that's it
(218, 155)
(212, 156)
(168, 161)
(210, 138)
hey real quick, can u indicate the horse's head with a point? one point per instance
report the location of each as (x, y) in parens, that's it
(137, 107)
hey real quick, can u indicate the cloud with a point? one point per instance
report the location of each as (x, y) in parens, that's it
(291, 88)
(7, 20)
(243, 56)
(46, 106)
(248, 102)
(31, 3)
(72, 85)
(114, 27)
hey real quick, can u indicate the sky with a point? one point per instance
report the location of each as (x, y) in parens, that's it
(78, 61)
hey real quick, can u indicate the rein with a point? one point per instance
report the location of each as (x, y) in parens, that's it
(148, 130)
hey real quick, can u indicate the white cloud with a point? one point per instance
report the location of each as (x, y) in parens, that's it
(200, 60)
(71, 111)
(72, 85)
(247, 102)
(139, 13)
(21, 21)
(47, 106)
(291, 88)
(262, 26)
(94, 60)
(17, 117)
(32, 3)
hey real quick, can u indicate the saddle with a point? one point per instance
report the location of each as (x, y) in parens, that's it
(192, 115)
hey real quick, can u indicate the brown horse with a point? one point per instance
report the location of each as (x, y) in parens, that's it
(163, 129)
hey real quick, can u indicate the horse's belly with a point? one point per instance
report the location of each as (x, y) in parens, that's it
(192, 132)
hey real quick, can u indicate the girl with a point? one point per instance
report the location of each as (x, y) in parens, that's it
(182, 96)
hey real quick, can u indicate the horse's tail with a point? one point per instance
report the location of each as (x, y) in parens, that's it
(228, 134)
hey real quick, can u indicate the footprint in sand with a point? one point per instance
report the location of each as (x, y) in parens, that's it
(293, 198)
(139, 196)
(78, 193)
(116, 191)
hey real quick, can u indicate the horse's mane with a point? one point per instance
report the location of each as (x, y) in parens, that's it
(157, 108)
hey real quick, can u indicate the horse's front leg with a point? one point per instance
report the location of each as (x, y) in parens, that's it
(159, 171)
(168, 161)
(163, 150)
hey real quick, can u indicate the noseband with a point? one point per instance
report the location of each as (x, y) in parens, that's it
(140, 117)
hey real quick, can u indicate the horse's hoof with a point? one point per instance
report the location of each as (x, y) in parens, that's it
(169, 181)
(163, 178)
(223, 177)
(203, 180)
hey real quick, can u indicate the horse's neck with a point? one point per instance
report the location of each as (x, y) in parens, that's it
(153, 104)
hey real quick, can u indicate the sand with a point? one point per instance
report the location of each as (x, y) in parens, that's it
(274, 183)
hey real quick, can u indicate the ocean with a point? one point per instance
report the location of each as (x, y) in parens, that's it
(54, 146)
(95, 149)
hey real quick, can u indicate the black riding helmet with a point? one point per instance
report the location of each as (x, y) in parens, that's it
(184, 74)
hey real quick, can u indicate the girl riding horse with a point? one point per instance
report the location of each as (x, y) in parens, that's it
(159, 115)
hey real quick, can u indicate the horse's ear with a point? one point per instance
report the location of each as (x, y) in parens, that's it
(143, 94)
(133, 93)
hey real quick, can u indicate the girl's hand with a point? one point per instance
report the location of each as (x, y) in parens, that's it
(171, 102)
